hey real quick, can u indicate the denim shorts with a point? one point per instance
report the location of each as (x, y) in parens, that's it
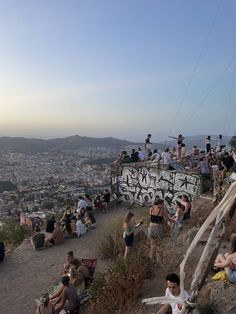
(232, 276)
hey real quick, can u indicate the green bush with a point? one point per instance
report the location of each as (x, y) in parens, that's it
(120, 286)
(12, 233)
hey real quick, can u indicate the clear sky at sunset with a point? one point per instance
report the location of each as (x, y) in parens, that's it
(120, 68)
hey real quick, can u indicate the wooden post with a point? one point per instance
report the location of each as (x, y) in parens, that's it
(223, 219)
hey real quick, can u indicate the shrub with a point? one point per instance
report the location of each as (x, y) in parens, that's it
(120, 286)
(208, 308)
(11, 232)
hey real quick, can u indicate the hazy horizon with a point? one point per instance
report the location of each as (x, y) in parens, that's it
(117, 68)
(126, 139)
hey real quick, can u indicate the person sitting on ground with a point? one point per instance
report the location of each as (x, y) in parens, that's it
(141, 154)
(228, 261)
(165, 157)
(173, 291)
(67, 298)
(155, 156)
(98, 202)
(81, 206)
(80, 227)
(83, 270)
(69, 262)
(89, 202)
(50, 224)
(57, 237)
(38, 240)
(44, 305)
(77, 279)
(134, 156)
(187, 206)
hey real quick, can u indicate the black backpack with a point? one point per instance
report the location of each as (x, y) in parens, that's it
(2, 251)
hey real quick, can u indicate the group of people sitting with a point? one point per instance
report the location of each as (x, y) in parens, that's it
(75, 278)
(73, 224)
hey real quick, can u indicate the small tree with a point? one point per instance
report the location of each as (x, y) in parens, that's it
(12, 232)
(232, 141)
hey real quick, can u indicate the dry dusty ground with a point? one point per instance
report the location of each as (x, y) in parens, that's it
(25, 273)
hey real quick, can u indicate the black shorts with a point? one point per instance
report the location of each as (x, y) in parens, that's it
(129, 239)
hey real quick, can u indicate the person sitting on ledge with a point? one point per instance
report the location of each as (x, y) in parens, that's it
(57, 237)
(66, 298)
(173, 291)
(69, 261)
(228, 261)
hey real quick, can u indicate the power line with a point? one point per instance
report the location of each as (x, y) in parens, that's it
(195, 66)
(209, 91)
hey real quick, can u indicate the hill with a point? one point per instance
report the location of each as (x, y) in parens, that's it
(71, 143)
(76, 142)
(32, 145)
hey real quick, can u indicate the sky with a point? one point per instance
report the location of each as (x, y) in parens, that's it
(120, 68)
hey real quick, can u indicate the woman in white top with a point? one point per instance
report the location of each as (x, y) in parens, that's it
(80, 227)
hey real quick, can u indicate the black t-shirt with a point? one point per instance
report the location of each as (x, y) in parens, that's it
(106, 197)
(50, 226)
(39, 240)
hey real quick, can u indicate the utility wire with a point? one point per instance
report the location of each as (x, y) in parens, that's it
(209, 92)
(195, 67)
(230, 114)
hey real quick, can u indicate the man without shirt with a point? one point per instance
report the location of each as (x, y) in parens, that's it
(173, 291)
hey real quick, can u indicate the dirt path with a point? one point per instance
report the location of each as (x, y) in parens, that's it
(25, 273)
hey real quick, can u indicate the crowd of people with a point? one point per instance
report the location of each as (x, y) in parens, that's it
(196, 160)
(74, 222)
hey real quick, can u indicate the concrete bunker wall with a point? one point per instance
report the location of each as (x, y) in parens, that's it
(142, 183)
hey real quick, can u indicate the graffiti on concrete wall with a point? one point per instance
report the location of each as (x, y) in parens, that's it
(143, 185)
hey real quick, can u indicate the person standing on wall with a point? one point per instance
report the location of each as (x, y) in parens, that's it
(180, 140)
(148, 145)
(208, 144)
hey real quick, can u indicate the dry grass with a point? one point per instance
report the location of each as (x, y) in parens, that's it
(120, 286)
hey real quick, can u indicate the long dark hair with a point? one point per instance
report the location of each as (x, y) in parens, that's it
(128, 216)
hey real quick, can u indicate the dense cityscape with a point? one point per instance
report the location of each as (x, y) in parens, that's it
(48, 181)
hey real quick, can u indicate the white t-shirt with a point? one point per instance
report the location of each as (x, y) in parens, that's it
(80, 228)
(165, 157)
(141, 155)
(81, 204)
(176, 307)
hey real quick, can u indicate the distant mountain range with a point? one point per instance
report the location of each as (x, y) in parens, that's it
(76, 142)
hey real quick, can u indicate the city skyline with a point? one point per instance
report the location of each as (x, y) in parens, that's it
(120, 69)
